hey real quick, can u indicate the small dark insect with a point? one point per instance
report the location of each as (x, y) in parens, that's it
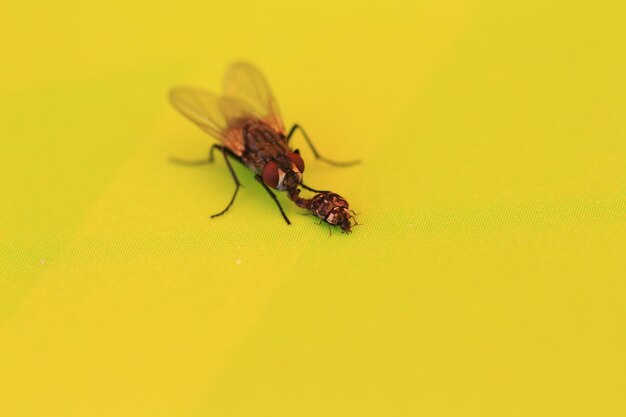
(246, 121)
(330, 207)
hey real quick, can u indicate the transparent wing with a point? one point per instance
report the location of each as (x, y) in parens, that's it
(244, 83)
(235, 111)
(202, 108)
(221, 117)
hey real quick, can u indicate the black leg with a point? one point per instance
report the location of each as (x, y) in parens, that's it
(354, 214)
(209, 160)
(315, 153)
(312, 189)
(271, 193)
(232, 172)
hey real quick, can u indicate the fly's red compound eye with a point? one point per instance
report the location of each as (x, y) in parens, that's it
(270, 174)
(297, 160)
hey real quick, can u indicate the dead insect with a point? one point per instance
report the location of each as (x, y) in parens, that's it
(246, 121)
(330, 207)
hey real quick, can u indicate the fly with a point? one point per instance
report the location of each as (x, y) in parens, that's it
(246, 121)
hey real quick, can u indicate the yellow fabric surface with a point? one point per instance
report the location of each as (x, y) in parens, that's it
(487, 278)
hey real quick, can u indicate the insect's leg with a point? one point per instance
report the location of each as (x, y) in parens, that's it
(312, 189)
(200, 161)
(353, 218)
(271, 193)
(232, 172)
(315, 153)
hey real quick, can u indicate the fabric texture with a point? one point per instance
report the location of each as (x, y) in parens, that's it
(486, 279)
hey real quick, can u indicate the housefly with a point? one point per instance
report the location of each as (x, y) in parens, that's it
(328, 206)
(246, 121)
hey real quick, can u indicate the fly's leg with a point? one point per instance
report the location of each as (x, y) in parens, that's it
(315, 153)
(198, 162)
(210, 160)
(271, 193)
(232, 172)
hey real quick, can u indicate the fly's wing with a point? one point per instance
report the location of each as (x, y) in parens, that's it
(201, 107)
(235, 111)
(218, 116)
(244, 83)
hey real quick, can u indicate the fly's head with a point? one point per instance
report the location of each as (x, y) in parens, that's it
(284, 172)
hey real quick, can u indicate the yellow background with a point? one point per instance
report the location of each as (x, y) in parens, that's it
(487, 279)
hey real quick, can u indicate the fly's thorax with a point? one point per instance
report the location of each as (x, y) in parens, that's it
(258, 133)
(262, 144)
(267, 153)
